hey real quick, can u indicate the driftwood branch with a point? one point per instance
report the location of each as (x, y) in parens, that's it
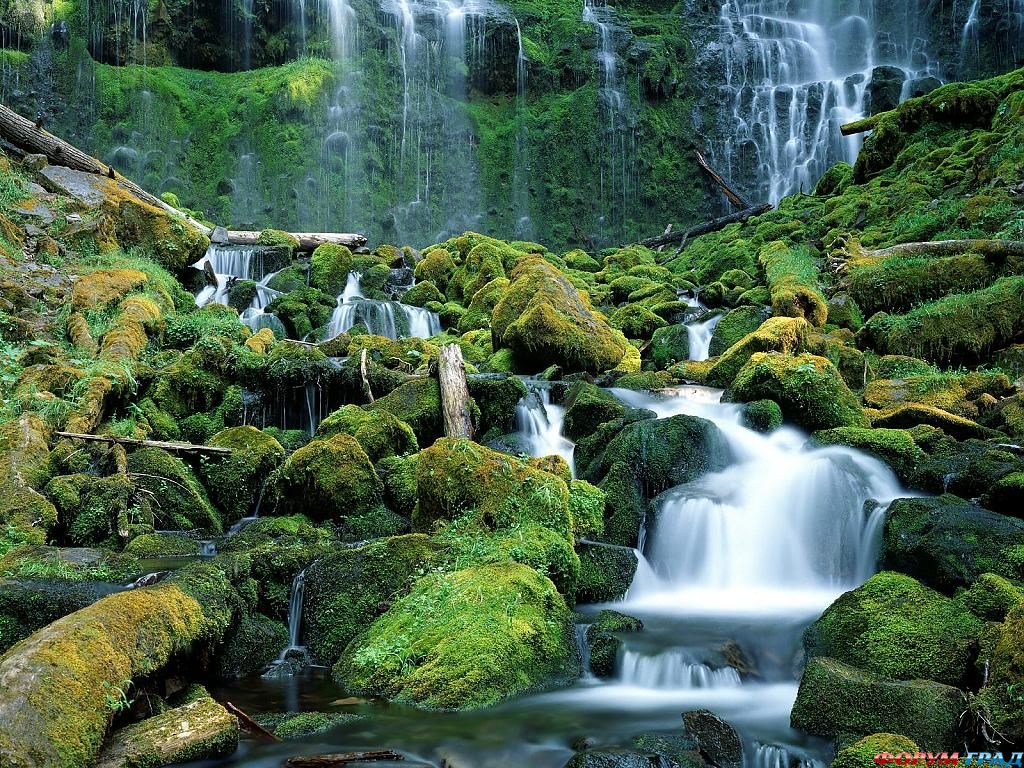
(362, 373)
(176, 447)
(860, 126)
(455, 402)
(991, 248)
(342, 758)
(249, 725)
(734, 197)
(707, 227)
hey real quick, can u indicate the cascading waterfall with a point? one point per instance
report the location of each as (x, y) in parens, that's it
(673, 669)
(795, 72)
(521, 171)
(383, 318)
(699, 337)
(240, 262)
(295, 611)
(539, 425)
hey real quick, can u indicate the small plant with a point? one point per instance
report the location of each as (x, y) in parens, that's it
(116, 697)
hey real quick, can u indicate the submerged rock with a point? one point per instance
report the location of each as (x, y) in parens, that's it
(604, 645)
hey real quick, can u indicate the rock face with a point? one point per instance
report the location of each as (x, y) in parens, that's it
(199, 730)
(717, 741)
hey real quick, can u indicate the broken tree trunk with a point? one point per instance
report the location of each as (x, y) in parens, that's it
(990, 248)
(177, 447)
(25, 135)
(308, 241)
(860, 126)
(734, 197)
(362, 373)
(342, 758)
(249, 725)
(455, 402)
(707, 227)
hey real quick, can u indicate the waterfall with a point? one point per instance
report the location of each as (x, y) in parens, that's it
(539, 425)
(521, 169)
(699, 336)
(382, 318)
(240, 262)
(795, 72)
(673, 669)
(774, 756)
(295, 611)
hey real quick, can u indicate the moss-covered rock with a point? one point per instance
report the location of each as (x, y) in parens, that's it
(669, 345)
(301, 725)
(1001, 697)
(588, 406)
(844, 312)
(862, 752)
(417, 403)
(378, 432)
(328, 479)
(808, 388)
(181, 501)
(909, 416)
(793, 281)
(496, 398)
(53, 710)
(26, 606)
(422, 294)
(25, 467)
(605, 572)
(545, 319)
(251, 646)
(835, 698)
(329, 267)
(762, 415)
(603, 643)
(398, 474)
(895, 626)
(347, 590)
(776, 334)
(896, 447)
(466, 639)
(235, 482)
(947, 542)
(991, 597)
(636, 321)
(101, 287)
(734, 325)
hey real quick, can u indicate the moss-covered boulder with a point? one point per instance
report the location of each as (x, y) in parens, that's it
(417, 403)
(587, 407)
(604, 644)
(422, 294)
(669, 345)
(235, 482)
(379, 432)
(161, 545)
(734, 325)
(861, 753)
(605, 572)
(636, 321)
(328, 479)
(24, 468)
(180, 502)
(991, 597)
(251, 646)
(1001, 697)
(26, 606)
(482, 304)
(347, 590)
(54, 684)
(466, 639)
(793, 281)
(835, 698)
(496, 398)
(947, 542)
(808, 388)
(911, 415)
(776, 334)
(896, 447)
(198, 730)
(545, 319)
(895, 626)
(329, 267)
(762, 415)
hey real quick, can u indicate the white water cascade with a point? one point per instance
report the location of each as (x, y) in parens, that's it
(795, 72)
(539, 425)
(699, 336)
(383, 318)
(673, 669)
(238, 262)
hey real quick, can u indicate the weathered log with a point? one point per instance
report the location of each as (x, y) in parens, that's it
(860, 126)
(707, 227)
(455, 402)
(308, 241)
(249, 725)
(362, 373)
(177, 447)
(734, 197)
(24, 134)
(668, 228)
(991, 248)
(342, 758)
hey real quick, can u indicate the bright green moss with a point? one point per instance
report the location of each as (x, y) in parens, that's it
(636, 321)
(669, 345)
(605, 572)
(160, 545)
(763, 415)
(423, 293)
(465, 640)
(181, 501)
(304, 724)
(588, 406)
(793, 281)
(277, 237)
(329, 267)
(496, 400)
(417, 403)
(586, 505)
(378, 432)
(733, 326)
(604, 645)
(991, 597)
(861, 753)
(1006, 677)
(776, 334)
(235, 482)
(895, 447)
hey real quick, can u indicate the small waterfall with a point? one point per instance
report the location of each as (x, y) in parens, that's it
(295, 612)
(584, 648)
(699, 335)
(233, 262)
(383, 318)
(539, 423)
(673, 669)
(775, 756)
(521, 170)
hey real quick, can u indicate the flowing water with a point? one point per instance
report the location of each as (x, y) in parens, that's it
(383, 318)
(539, 424)
(699, 336)
(240, 262)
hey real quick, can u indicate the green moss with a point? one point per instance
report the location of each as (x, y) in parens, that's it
(25, 466)
(160, 545)
(809, 390)
(606, 572)
(636, 321)
(329, 267)
(911, 415)
(763, 415)
(181, 501)
(235, 482)
(423, 293)
(844, 311)
(588, 406)
(776, 334)
(991, 597)
(734, 326)
(1006, 676)
(464, 640)
(417, 403)
(496, 399)
(277, 237)
(895, 447)
(304, 724)
(835, 698)
(328, 479)
(586, 506)
(253, 644)
(482, 305)
(862, 752)
(378, 432)
(669, 345)
(399, 477)
(895, 626)
(793, 281)
(604, 645)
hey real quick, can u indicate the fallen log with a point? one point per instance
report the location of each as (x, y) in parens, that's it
(860, 126)
(707, 227)
(734, 197)
(177, 447)
(342, 758)
(992, 248)
(308, 241)
(249, 725)
(455, 402)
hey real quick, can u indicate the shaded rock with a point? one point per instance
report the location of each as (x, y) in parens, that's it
(604, 645)
(717, 741)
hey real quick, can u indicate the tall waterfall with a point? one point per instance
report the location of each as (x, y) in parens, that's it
(796, 70)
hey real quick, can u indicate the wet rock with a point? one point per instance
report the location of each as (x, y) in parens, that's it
(675, 747)
(884, 89)
(604, 643)
(613, 758)
(717, 741)
(606, 571)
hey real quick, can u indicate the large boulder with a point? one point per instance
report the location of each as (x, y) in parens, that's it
(948, 543)
(587, 407)
(379, 432)
(606, 571)
(544, 319)
(894, 626)
(735, 325)
(466, 639)
(776, 334)
(1006, 677)
(896, 447)
(808, 388)
(179, 501)
(235, 482)
(835, 698)
(417, 403)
